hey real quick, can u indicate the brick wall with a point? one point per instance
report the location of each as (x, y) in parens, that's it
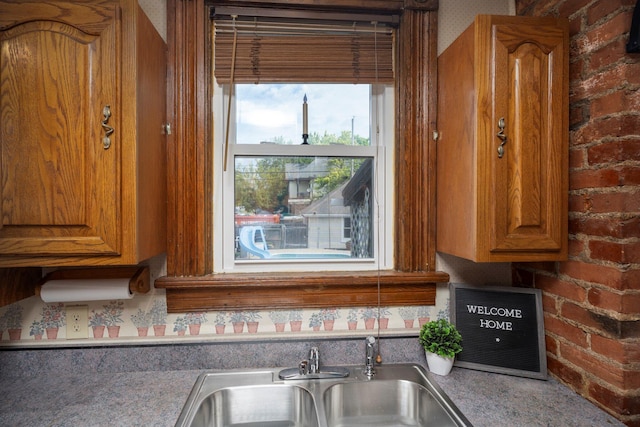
(592, 301)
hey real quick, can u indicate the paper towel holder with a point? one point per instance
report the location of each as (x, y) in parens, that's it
(139, 277)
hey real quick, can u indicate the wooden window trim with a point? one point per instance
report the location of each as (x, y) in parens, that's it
(190, 283)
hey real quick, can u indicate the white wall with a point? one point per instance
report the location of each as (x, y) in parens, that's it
(454, 16)
(156, 10)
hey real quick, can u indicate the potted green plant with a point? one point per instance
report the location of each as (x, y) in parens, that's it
(220, 322)
(441, 342)
(37, 329)
(159, 316)
(141, 320)
(194, 321)
(295, 320)
(180, 325)
(279, 319)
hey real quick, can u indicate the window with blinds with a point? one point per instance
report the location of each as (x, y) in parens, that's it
(269, 50)
(305, 114)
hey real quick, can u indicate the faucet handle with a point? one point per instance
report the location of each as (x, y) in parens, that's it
(369, 371)
(302, 367)
(314, 360)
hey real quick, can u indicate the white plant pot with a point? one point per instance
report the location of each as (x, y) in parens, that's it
(439, 365)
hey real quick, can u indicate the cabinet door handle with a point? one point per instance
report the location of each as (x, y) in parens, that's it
(108, 130)
(502, 136)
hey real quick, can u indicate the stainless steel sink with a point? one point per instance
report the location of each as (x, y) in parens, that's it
(398, 395)
(257, 405)
(383, 403)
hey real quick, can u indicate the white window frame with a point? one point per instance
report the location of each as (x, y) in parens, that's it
(381, 149)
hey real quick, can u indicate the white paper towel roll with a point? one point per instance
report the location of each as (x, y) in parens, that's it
(73, 290)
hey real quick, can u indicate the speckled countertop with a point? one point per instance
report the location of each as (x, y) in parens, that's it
(148, 386)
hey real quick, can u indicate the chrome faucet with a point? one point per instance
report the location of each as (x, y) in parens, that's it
(368, 367)
(314, 360)
(310, 369)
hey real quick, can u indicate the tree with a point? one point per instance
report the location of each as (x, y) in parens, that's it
(260, 183)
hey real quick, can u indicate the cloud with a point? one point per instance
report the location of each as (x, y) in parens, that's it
(266, 112)
(262, 117)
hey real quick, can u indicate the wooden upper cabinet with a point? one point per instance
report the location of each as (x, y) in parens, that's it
(502, 150)
(69, 73)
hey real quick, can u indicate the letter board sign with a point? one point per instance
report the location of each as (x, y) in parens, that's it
(502, 329)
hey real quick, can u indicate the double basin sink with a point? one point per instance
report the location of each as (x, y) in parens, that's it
(397, 395)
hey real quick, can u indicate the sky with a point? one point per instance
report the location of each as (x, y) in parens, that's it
(267, 111)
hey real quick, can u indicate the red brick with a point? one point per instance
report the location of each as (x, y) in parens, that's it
(633, 351)
(609, 127)
(631, 75)
(566, 374)
(616, 202)
(576, 73)
(565, 331)
(569, 7)
(630, 280)
(576, 248)
(608, 276)
(600, 9)
(561, 288)
(578, 115)
(607, 55)
(601, 322)
(580, 203)
(544, 8)
(623, 303)
(613, 349)
(631, 175)
(611, 202)
(612, 373)
(619, 101)
(632, 380)
(614, 401)
(551, 345)
(612, 226)
(523, 5)
(549, 304)
(615, 151)
(605, 299)
(615, 252)
(631, 305)
(601, 35)
(597, 84)
(575, 28)
(577, 158)
(594, 178)
(633, 421)
(586, 318)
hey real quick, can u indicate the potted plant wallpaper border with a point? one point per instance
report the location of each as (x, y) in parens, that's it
(144, 318)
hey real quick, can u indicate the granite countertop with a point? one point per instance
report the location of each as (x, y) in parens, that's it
(148, 385)
(155, 398)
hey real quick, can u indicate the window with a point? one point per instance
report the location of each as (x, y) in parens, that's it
(308, 112)
(189, 284)
(346, 229)
(285, 205)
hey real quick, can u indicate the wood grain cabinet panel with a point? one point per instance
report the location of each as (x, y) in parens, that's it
(502, 168)
(68, 197)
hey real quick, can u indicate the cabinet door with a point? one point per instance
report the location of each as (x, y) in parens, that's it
(529, 191)
(59, 191)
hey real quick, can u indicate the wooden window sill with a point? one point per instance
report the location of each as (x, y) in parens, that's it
(299, 290)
